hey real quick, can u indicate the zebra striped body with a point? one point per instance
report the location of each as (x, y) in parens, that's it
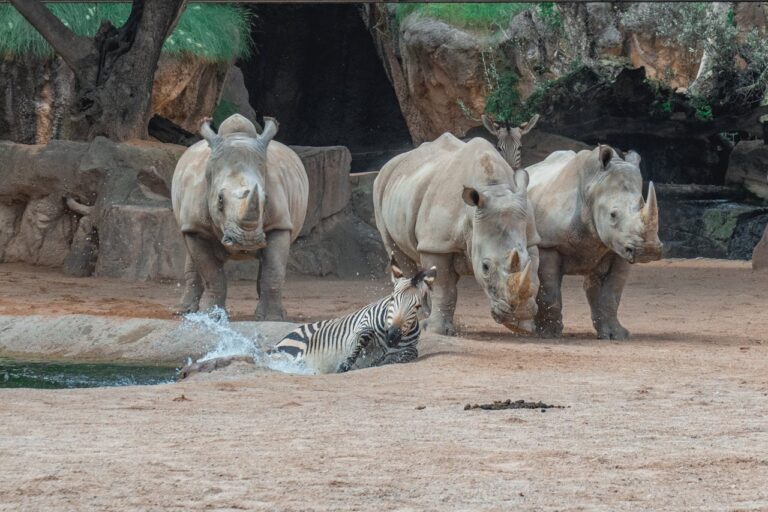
(384, 332)
(358, 340)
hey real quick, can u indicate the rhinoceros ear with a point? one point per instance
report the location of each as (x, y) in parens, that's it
(208, 134)
(632, 157)
(472, 197)
(606, 154)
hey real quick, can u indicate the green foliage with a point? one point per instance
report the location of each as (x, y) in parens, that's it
(503, 103)
(223, 110)
(550, 15)
(702, 106)
(212, 32)
(487, 16)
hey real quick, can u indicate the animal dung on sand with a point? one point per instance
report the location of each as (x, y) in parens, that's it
(498, 405)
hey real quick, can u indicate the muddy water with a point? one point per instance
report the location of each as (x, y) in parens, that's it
(47, 375)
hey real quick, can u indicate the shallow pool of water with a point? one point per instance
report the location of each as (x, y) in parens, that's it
(20, 374)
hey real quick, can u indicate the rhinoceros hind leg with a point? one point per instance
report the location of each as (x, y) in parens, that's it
(274, 260)
(193, 290)
(549, 317)
(444, 295)
(210, 267)
(604, 287)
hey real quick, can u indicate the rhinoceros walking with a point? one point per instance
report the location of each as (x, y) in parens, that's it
(593, 221)
(238, 195)
(461, 208)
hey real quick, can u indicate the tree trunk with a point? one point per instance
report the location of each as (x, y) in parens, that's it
(114, 70)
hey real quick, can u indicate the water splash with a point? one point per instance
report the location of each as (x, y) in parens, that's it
(215, 324)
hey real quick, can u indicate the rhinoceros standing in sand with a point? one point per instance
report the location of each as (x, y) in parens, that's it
(593, 221)
(238, 195)
(460, 207)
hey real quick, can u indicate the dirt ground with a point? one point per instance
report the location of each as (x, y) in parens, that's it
(675, 419)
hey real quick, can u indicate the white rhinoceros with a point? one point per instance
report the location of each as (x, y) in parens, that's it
(593, 221)
(460, 207)
(238, 195)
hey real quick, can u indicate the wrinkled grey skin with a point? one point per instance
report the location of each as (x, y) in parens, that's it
(509, 139)
(593, 221)
(459, 206)
(238, 194)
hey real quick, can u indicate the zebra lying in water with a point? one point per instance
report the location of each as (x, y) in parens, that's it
(384, 332)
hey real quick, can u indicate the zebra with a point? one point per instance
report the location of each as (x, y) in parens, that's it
(384, 332)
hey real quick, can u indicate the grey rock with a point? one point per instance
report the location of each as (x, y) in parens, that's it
(710, 228)
(140, 242)
(329, 189)
(760, 254)
(362, 196)
(342, 245)
(235, 92)
(748, 167)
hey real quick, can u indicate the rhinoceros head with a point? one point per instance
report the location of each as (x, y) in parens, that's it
(500, 258)
(236, 176)
(624, 221)
(509, 139)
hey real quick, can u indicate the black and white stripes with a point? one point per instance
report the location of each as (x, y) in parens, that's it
(384, 332)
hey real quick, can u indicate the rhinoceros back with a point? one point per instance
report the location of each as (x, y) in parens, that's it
(418, 195)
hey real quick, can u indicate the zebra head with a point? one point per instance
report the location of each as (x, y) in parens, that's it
(411, 301)
(509, 138)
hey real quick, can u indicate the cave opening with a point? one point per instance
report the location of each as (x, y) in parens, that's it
(315, 69)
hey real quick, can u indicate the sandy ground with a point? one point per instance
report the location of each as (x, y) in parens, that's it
(675, 419)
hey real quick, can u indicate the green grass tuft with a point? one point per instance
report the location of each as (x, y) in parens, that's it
(211, 32)
(487, 16)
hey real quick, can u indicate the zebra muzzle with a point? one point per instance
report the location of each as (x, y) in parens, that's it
(394, 336)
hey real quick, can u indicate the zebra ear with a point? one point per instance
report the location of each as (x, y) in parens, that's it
(429, 276)
(397, 273)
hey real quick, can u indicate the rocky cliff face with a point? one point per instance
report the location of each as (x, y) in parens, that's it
(433, 65)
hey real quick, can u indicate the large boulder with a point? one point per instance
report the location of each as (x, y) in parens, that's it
(362, 196)
(329, 189)
(187, 88)
(140, 242)
(341, 245)
(748, 167)
(710, 228)
(236, 94)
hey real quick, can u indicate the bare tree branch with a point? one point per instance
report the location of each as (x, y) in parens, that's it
(71, 47)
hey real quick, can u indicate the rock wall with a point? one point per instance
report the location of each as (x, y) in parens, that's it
(79, 206)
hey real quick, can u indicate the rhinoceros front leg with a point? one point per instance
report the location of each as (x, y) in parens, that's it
(604, 287)
(274, 259)
(549, 317)
(210, 267)
(193, 289)
(444, 295)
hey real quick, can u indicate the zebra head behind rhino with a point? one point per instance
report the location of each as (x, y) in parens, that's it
(509, 138)
(384, 332)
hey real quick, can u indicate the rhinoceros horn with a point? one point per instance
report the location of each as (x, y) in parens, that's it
(651, 211)
(521, 282)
